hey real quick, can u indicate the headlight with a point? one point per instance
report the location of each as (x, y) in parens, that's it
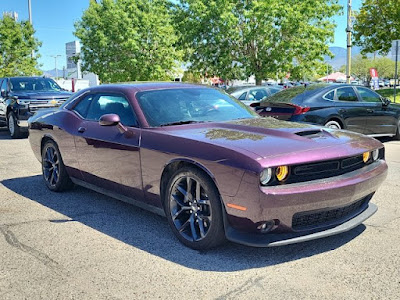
(366, 156)
(265, 176)
(282, 172)
(375, 154)
(23, 102)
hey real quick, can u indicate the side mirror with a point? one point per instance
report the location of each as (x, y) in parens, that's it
(386, 101)
(4, 93)
(109, 120)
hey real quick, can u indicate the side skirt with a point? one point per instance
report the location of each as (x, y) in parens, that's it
(120, 197)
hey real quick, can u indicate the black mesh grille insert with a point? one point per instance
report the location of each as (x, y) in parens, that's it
(312, 219)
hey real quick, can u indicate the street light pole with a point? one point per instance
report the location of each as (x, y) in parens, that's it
(55, 63)
(30, 21)
(348, 30)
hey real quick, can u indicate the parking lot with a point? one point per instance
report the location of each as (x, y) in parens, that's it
(83, 245)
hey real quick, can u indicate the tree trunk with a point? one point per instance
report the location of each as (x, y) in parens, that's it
(258, 81)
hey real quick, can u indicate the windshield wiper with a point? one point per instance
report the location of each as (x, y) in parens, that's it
(181, 123)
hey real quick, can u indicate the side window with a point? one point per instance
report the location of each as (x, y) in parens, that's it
(243, 96)
(83, 106)
(274, 90)
(368, 95)
(330, 95)
(257, 94)
(346, 94)
(4, 85)
(111, 104)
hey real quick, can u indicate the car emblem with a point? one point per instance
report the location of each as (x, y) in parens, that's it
(53, 101)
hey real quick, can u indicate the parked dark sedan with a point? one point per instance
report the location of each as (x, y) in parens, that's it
(251, 94)
(210, 164)
(340, 106)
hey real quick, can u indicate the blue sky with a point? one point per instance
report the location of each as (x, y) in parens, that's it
(54, 20)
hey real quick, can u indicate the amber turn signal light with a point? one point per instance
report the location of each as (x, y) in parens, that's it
(282, 172)
(366, 156)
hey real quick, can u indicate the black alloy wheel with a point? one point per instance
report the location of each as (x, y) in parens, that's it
(193, 208)
(53, 169)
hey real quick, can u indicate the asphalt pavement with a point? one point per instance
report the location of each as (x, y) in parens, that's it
(83, 245)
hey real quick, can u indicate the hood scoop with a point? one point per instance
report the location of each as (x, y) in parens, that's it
(312, 133)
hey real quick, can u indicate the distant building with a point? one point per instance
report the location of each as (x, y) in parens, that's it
(72, 50)
(11, 14)
(73, 70)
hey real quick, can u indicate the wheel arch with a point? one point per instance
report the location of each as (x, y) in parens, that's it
(336, 119)
(44, 140)
(173, 165)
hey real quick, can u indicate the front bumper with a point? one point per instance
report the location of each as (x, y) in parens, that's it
(346, 195)
(281, 239)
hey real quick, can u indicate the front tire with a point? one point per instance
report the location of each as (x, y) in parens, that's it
(333, 124)
(193, 208)
(13, 128)
(53, 169)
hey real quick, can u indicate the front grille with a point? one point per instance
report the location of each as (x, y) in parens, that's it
(324, 169)
(314, 219)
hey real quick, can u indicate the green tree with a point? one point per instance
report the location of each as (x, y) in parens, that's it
(190, 76)
(377, 25)
(125, 40)
(17, 42)
(265, 38)
(360, 67)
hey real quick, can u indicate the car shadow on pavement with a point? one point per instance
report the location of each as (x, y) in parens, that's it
(4, 134)
(150, 232)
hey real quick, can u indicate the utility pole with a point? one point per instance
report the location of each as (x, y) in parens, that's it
(395, 71)
(55, 63)
(348, 30)
(30, 21)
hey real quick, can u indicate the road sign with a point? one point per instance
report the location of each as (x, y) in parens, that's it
(373, 72)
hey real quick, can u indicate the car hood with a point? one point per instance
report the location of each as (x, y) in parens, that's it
(268, 138)
(45, 95)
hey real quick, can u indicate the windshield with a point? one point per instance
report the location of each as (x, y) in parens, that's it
(185, 105)
(34, 85)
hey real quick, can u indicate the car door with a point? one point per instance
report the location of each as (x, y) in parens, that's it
(350, 109)
(108, 157)
(381, 118)
(3, 106)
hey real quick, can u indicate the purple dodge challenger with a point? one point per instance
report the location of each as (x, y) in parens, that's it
(214, 168)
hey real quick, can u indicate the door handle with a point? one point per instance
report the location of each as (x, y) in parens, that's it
(81, 129)
(370, 110)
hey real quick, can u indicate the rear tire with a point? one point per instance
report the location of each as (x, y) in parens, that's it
(53, 168)
(333, 124)
(193, 208)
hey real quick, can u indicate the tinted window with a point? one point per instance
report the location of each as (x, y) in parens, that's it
(162, 107)
(274, 90)
(346, 94)
(257, 94)
(4, 85)
(111, 104)
(82, 107)
(368, 95)
(330, 95)
(243, 96)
